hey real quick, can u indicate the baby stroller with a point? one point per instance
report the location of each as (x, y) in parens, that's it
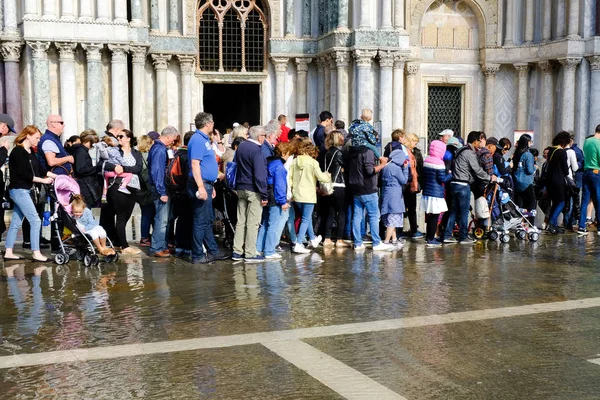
(226, 203)
(78, 244)
(506, 216)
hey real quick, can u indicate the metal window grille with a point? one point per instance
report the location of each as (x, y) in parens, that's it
(444, 110)
(209, 41)
(255, 42)
(232, 42)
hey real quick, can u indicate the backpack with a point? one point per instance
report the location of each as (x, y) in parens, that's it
(175, 177)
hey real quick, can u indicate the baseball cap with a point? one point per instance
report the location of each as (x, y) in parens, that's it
(453, 142)
(446, 132)
(492, 140)
(8, 121)
(153, 135)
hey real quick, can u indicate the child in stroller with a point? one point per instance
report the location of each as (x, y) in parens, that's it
(87, 225)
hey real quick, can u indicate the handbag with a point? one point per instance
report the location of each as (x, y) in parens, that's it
(7, 203)
(571, 186)
(38, 192)
(326, 188)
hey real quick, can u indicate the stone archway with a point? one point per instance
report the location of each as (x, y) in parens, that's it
(486, 14)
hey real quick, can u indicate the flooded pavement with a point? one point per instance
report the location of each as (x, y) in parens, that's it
(502, 321)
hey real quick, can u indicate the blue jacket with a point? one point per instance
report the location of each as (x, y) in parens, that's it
(434, 178)
(67, 167)
(266, 149)
(277, 182)
(251, 170)
(157, 164)
(525, 172)
(87, 220)
(394, 177)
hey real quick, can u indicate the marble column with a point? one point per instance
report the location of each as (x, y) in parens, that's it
(66, 10)
(398, 92)
(306, 18)
(68, 87)
(138, 61)
(342, 59)
(30, 10)
(327, 83)
(523, 70)
(386, 14)
(386, 105)
(301, 82)
(490, 71)
(48, 10)
(364, 88)
(412, 108)
(119, 83)
(342, 11)
(597, 28)
(332, 84)
(594, 88)
(120, 12)
(85, 10)
(154, 16)
(509, 27)
(11, 53)
(529, 22)
(399, 23)
(186, 66)
(365, 15)
(547, 20)
(320, 84)
(547, 117)
(173, 17)
(10, 18)
(95, 91)
(280, 71)
(573, 20)
(568, 96)
(41, 83)
(161, 63)
(136, 13)
(103, 10)
(290, 18)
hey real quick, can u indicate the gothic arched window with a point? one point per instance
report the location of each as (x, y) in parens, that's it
(232, 36)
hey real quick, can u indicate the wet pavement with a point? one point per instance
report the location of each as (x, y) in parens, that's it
(489, 321)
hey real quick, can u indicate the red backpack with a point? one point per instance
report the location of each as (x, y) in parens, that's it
(176, 172)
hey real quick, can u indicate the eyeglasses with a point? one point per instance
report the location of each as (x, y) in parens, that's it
(506, 149)
(120, 137)
(59, 122)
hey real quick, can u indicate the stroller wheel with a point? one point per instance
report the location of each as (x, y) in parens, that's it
(534, 236)
(61, 259)
(79, 255)
(505, 238)
(493, 235)
(87, 260)
(478, 233)
(521, 235)
(95, 260)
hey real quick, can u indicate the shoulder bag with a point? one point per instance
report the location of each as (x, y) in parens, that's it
(326, 188)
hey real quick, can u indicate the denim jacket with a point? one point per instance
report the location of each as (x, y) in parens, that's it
(87, 220)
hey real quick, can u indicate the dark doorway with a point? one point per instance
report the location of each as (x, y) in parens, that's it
(445, 111)
(232, 103)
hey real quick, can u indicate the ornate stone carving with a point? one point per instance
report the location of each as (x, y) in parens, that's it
(160, 61)
(186, 64)
(523, 69)
(93, 51)
(399, 60)
(386, 58)
(570, 63)
(11, 51)
(412, 68)
(39, 49)
(138, 54)
(490, 69)
(302, 64)
(546, 67)
(342, 58)
(594, 62)
(364, 57)
(280, 64)
(66, 50)
(119, 52)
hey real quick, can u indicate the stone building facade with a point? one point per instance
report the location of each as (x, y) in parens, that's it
(492, 65)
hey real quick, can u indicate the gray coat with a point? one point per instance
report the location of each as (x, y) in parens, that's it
(394, 176)
(467, 167)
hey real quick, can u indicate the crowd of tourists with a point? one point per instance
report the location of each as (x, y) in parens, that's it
(270, 185)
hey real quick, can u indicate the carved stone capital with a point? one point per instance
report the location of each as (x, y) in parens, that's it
(570, 63)
(138, 54)
(523, 68)
(93, 51)
(364, 57)
(342, 58)
(66, 50)
(330, 59)
(386, 58)
(119, 52)
(490, 70)
(594, 62)
(186, 64)
(39, 49)
(280, 64)
(412, 68)
(399, 61)
(11, 51)
(546, 66)
(161, 61)
(302, 64)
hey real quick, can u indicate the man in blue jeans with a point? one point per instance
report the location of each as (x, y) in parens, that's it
(158, 157)
(591, 177)
(362, 182)
(466, 171)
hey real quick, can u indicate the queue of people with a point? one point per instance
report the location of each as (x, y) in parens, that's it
(328, 187)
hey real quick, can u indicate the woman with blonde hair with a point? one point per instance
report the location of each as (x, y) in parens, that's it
(25, 172)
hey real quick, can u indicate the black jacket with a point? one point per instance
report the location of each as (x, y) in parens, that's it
(500, 164)
(362, 178)
(87, 175)
(334, 159)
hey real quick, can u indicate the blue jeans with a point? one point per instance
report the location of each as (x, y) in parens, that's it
(147, 219)
(306, 226)
(291, 224)
(273, 222)
(555, 212)
(24, 208)
(591, 191)
(202, 228)
(161, 223)
(461, 200)
(370, 203)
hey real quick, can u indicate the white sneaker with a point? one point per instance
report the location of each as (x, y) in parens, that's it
(383, 247)
(361, 247)
(298, 248)
(315, 242)
(273, 257)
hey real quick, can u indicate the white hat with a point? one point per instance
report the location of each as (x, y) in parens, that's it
(235, 124)
(446, 132)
